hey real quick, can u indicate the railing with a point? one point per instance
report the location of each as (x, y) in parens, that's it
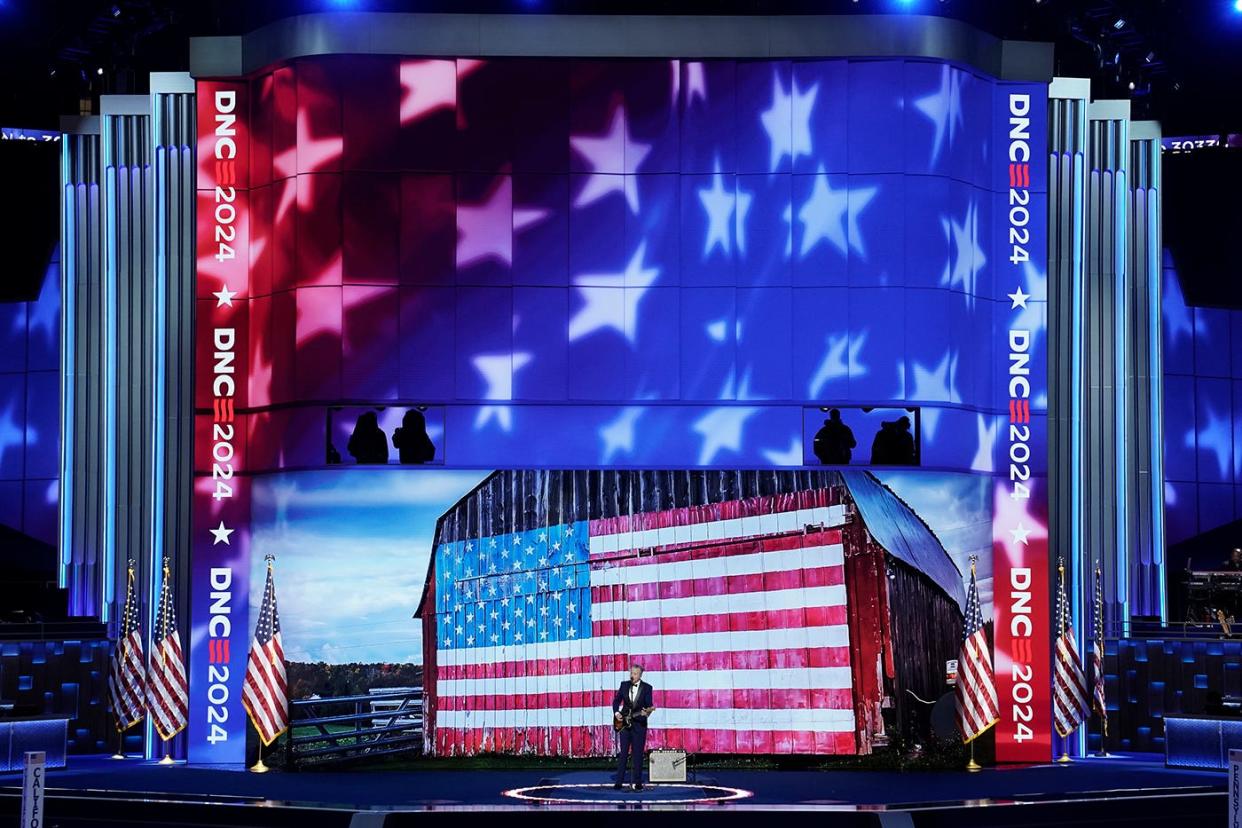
(380, 723)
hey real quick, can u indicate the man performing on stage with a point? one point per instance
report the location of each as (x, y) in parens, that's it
(631, 705)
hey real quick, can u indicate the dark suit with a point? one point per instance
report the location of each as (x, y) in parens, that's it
(634, 739)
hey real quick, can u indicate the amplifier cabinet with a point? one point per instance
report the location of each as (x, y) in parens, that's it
(668, 766)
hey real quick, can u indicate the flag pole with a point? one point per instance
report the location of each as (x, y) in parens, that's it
(1099, 637)
(167, 760)
(1065, 757)
(259, 767)
(972, 766)
(120, 731)
(120, 742)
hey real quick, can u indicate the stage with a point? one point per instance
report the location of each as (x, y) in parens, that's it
(1130, 790)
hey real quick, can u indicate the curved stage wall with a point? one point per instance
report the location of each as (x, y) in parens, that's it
(595, 263)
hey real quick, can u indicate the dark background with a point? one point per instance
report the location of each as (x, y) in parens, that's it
(51, 51)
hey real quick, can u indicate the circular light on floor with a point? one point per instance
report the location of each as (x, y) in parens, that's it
(564, 794)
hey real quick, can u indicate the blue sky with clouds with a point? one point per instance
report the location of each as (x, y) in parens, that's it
(352, 548)
(958, 509)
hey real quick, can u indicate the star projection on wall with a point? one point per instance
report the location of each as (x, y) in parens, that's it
(609, 154)
(944, 109)
(1214, 437)
(628, 262)
(788, 122)
(12, 435)
(961, 271)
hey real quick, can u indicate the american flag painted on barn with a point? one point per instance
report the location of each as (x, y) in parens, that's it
(741, 624)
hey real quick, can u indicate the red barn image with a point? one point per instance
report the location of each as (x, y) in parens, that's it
(774, 612)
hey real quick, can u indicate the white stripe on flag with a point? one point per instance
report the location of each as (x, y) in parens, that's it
(836, 635)
(754, 563)
(718, 530)
(774, 600)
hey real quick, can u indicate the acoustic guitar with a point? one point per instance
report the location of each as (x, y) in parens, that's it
(626, 720)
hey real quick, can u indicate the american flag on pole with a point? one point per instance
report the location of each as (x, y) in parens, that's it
(167, 689)
(976, 704)
(1069, 692)
(125, 674)
(741, 626)
(264, 693)
(1097, 655)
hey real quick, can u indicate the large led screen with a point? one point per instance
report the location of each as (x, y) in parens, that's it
(770, 610)
(611, 265)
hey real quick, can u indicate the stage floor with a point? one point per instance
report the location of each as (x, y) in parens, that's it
(449, 789)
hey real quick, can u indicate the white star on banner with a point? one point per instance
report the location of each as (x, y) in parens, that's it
(221, 534)
(596, 149)
(1031, 318)
(1018, 298)
(1020, 534)
(599, 292)
(224, 297)
(721, 428)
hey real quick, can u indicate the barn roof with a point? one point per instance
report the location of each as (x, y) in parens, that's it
(896, 527)
(580, 495)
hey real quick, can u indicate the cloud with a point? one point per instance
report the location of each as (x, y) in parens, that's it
(352, 549)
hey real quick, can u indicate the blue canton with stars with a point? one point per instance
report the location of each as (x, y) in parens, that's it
(518, 588)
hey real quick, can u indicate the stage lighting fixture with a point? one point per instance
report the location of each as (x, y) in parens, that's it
(1237, 5)
(1131, 85)
(1119, 23)
(116, 11)
(99, 71)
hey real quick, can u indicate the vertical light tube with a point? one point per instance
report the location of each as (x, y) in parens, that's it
(1156, 378)
(68, 327)
(109, 378)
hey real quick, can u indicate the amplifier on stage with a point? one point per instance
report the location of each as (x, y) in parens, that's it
(668, 766)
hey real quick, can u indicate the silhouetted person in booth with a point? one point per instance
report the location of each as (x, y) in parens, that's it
(903, 443)
(893, 444)
(411, 440)
(368, 444)
(834, 442)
